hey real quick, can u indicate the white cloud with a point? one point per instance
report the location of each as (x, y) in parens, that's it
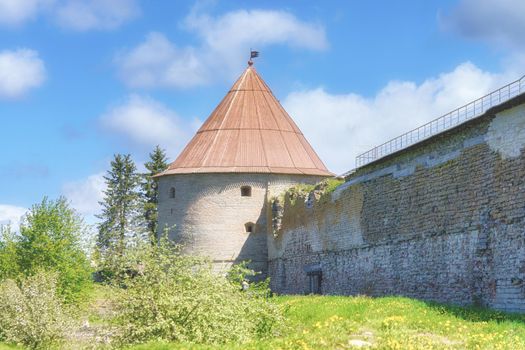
(20, 71)
(235, 30)
(341, 126)
(78, 15)
(16, 12)
(147, 122)
(497, 21)
(85, 194)
(158, 62)
(222, 50)
(85, 15)
(11, 215)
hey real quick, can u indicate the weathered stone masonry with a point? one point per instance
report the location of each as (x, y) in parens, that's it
(208, 214)
(442, 220)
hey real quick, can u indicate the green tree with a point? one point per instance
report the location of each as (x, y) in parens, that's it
(121, 208)
(8, 253)
(158, 162)
(50, 239)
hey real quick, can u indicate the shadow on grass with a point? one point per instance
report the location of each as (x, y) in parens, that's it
(475, 313)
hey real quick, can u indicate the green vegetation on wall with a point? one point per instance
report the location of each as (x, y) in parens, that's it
(320, 190)
(300, 193)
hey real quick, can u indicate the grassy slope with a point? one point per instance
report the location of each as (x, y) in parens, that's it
(329, 322)
(384, 323)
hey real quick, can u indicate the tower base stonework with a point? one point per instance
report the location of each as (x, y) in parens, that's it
(210, 217)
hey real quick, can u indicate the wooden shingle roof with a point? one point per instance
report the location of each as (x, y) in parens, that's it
(249, 132)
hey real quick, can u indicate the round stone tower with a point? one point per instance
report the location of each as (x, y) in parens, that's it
(214, 197)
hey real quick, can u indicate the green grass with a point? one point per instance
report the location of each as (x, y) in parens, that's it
(334, 322)
(325, 322)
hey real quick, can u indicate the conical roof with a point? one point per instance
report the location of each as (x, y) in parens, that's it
(249, 132)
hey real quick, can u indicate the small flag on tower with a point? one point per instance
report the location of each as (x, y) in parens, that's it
(254, 54)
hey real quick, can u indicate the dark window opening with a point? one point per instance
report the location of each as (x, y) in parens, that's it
(249, 227)
(246, 191)
(172, 192)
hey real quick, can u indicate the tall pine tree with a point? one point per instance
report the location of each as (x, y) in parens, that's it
(122, 207)
(157, 163)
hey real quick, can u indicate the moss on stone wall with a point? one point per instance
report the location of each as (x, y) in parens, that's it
(300, 193)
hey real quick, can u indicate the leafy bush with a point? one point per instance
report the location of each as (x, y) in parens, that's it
(8, 253)
(31, 311)
(241, 276)
(172, 297)
(332, 184)
(50, 238)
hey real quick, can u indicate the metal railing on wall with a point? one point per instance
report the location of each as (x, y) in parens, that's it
(458, 116)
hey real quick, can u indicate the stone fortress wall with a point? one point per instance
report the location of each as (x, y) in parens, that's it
(208, 214)
(442, 220)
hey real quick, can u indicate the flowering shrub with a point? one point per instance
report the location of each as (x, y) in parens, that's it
(172, 297)
(31, 312)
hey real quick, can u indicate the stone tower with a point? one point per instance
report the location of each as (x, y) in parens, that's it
(216, 193)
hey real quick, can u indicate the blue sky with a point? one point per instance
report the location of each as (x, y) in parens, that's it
(81, 80)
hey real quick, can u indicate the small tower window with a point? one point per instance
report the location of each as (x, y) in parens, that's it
(172, 192)
(246, 191)
(249, 227)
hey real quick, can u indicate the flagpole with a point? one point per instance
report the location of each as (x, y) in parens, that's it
(253, 54)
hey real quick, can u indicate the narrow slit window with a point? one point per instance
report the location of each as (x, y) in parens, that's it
(249, 227)
(172, 192)
(246, 191)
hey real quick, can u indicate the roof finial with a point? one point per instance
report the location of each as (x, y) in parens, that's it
(253, 54)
